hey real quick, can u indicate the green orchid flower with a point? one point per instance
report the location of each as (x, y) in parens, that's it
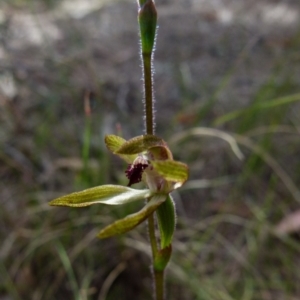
(149, 160)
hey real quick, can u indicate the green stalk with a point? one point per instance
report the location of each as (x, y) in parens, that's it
(159, 284)
(147, 18)
(158, 275)
(148, 93)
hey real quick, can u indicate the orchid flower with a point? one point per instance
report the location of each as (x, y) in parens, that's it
(151, 161)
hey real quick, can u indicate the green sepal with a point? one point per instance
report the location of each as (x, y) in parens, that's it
(147, 18)
(139, 144)
(105, 194)
(114, 143)
(162, 258)
(171, 170)
(166, 216)
(131, 221)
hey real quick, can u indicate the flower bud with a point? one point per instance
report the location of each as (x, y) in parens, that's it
(147, 18)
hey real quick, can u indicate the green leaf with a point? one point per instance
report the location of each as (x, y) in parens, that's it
(140, 144)
(166, 216)
(131, 221)
(171, 170)
(106, 194)
(162, 258)
(114, 143)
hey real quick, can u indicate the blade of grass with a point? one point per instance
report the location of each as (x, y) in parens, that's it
(257, 107)
(68, 268)
(286, 179)
(110, 280)
(9, 285)
(203, 131)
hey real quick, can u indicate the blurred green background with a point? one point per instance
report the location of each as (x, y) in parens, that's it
(226, 74)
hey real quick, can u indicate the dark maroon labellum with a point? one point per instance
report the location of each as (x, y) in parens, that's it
(134, 172)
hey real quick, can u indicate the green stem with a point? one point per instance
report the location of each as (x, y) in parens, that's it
(158, 275)
(148, 93)
(152, 237)
(159, 284)
(147, 19)
(149, 124)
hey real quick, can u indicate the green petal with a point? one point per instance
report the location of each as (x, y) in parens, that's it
(106, 194)
(166, 217)
(171, 170)
(114, 143)
(140, 144)
(131, 221)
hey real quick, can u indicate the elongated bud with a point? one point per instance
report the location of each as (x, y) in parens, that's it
(147, 18)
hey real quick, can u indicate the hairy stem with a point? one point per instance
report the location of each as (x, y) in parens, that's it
(158, 275)
(148, 94)
(152, 237)
(159, 285)
(147, 18)
(150, 128)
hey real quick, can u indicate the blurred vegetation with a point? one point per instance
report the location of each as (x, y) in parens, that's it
(232, 78)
